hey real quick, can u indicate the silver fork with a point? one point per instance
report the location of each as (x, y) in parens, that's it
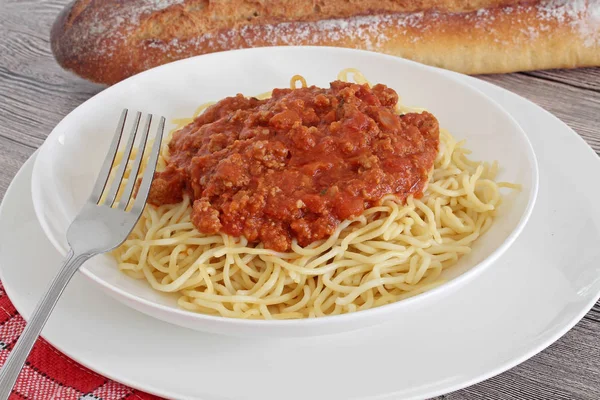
(101, 225)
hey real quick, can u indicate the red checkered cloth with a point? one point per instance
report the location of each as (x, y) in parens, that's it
(50, 375)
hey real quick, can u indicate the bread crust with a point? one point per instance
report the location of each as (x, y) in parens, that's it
(109, 40)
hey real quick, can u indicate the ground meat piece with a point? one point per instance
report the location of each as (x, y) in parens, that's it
(205, 217)
(294, 166)
(167, 187)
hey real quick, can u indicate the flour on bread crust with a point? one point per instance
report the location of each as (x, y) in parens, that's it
(107, 41)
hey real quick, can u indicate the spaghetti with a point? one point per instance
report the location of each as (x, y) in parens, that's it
(390, 252)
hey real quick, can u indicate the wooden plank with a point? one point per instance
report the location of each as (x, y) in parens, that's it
(585, 78)
(35, 93)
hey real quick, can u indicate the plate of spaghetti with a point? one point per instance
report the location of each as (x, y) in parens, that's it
(300, 190)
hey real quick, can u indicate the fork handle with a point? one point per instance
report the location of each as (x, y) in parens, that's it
(17, 357)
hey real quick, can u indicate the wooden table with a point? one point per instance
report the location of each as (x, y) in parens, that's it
(35, 94)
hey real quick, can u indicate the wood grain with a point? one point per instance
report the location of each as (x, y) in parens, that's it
(35, 94)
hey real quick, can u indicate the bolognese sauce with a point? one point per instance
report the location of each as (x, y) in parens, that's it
(297, 164)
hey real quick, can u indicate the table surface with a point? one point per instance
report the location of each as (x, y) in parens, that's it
(35, 94)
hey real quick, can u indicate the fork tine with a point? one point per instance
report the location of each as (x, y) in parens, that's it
(144, 190)
(114, 187)
(108, 161)
(135, 168)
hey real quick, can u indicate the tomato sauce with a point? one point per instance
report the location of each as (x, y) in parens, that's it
(297, 164)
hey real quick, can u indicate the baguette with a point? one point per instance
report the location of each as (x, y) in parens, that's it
(106, 41)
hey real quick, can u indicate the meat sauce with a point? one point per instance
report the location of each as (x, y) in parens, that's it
(297, 164)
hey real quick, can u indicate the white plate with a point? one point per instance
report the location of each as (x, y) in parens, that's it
(72, 154)
(538, 290)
